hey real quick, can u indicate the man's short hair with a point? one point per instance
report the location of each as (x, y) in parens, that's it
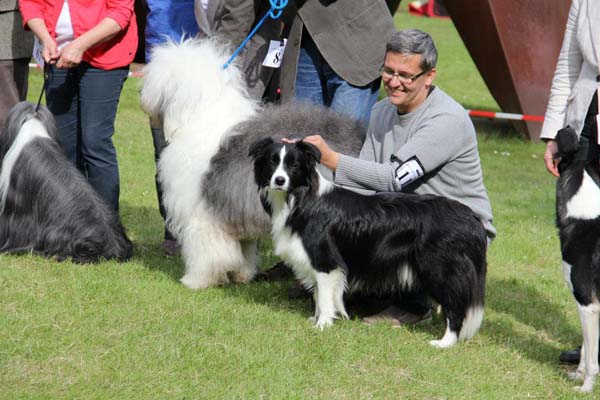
(414, 41)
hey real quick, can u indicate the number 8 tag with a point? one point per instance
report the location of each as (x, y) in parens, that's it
(275, 53)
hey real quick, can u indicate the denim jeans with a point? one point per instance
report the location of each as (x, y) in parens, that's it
(84, 102)
(158, 139)
(318, 83)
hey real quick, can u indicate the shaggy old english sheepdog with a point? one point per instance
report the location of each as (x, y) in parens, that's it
(209, 121)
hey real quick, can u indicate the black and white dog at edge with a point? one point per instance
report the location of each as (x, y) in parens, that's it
(47, 207)
(209, 122)
(578, 221)
(337, 240)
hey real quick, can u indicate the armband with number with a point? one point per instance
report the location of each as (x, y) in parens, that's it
(407, 171)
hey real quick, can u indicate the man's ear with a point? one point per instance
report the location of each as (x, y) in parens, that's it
(258, 148)
(310, 150)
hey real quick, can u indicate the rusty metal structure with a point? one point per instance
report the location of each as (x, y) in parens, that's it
(515, 46)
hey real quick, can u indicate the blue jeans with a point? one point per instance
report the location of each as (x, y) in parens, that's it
(84, 102)
(318, 83)
(158, 139)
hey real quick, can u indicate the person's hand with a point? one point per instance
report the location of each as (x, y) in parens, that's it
(70, 56)
(329, 158)
(49, 51)
(549, 160)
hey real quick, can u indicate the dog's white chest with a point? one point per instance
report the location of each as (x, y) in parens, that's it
(288, 245)
(585, 204)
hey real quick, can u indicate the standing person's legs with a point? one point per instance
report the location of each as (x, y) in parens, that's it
(99, 93)
(62, 98)
(14, 75)
(318, 83)
(158, 139)
(355, 101)
(309, 79)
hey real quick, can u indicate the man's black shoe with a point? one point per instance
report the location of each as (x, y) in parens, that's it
(279, 272)
(570, 356)
(298, 292)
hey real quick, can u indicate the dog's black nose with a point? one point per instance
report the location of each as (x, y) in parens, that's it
(279, 180)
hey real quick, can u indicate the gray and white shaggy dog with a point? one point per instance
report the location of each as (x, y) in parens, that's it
(209, 121)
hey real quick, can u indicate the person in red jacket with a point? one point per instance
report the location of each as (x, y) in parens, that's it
(87, 47)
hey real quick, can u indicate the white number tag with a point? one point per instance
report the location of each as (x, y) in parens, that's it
(275, 53)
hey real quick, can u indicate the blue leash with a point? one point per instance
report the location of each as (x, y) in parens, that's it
(275, 12)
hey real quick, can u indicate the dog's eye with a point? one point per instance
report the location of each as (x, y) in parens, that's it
(275, 159)
(292, 164)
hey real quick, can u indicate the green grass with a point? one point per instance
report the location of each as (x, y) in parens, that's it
(133, 331)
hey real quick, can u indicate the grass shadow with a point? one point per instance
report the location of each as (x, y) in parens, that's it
(527, 320)
(145, 228)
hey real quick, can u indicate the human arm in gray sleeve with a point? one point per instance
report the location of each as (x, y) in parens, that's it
(435, 142)
(363, 173)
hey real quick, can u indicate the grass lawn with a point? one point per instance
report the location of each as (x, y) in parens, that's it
(132, 331)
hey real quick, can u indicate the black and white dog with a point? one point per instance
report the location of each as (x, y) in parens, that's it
(578, 221)
(337, 240)
(46, 205)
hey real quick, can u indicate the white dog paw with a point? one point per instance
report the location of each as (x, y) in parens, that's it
(195, 283)
(576, 376)
(588, 383)
(322, 323)
(584, 388)
(442, 344)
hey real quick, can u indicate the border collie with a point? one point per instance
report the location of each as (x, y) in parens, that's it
(335, 239)
(46, 205)
(208, 184)
(578, 221)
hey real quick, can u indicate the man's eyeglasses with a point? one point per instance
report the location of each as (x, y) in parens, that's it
(387, 73)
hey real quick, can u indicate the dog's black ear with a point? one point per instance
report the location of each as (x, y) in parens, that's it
(258, 148)
(310, 150)
(566, 141)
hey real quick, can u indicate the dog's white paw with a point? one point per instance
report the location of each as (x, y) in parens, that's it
(195, 283)
(584, 388)
(322, 323)
(576, 376)
(442, 344)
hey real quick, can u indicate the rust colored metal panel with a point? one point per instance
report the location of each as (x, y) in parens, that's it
(515, 45)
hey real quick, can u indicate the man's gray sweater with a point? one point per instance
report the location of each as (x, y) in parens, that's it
(440, 135)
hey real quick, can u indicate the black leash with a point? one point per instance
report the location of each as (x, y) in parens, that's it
(37, 107)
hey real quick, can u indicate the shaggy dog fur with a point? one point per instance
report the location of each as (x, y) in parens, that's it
(46, 206)
(578, 221)
(209, 121)
(337, 240)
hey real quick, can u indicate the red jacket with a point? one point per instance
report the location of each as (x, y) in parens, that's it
(85, 14)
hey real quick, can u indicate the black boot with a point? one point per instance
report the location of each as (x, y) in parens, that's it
(570, 356)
